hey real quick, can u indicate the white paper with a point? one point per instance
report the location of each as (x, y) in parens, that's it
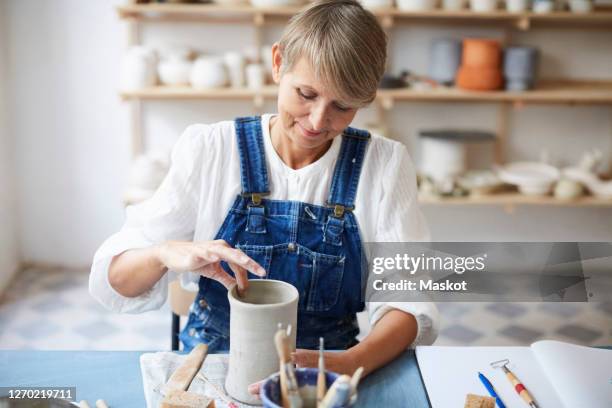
(581, 376)
(450, 373)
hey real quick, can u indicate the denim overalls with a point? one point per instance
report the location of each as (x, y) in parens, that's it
(315, 248)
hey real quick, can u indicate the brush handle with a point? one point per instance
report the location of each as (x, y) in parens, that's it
(280, 341)
(520, 388)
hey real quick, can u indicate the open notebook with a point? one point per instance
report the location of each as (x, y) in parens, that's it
(556, 374)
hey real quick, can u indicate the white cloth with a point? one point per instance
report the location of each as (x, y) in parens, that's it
(204, 179)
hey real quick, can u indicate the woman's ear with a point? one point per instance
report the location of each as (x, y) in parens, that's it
(277, 61)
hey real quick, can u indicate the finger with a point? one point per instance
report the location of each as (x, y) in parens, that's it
(216, 272)
(205, 255)
(255, 387)
(241, 277)
(238, 257)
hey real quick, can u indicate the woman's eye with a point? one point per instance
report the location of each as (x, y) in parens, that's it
(305, 95)
(342, 108)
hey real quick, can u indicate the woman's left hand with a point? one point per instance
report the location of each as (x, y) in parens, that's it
(339, 362)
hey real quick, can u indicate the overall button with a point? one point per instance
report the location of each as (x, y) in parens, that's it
(291, 247)
(202, 303)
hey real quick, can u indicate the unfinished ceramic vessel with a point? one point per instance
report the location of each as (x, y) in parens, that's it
(254, 319)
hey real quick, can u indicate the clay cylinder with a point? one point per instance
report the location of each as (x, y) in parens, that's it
(254, 319)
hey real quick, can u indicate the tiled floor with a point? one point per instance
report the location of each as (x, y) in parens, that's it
(52, 309)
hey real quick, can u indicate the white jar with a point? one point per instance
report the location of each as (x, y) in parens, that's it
(208, 72)
(543, 6)
(174, 69)
(138, 68)
(516, 6)
(453, 5)
(256, 76)
(483, 6)
(416, 5)
(376, 4)
(234, 61)
(581, 6)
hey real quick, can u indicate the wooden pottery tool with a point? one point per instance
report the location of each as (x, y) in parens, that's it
(518, 386)
(338, 394)
(290, 395)
(175, 394)
(355, 380)
(321, 386)
(219, 391)
(479, 401)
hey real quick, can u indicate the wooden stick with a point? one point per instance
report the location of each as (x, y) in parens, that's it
(182, 377)
(282, 348)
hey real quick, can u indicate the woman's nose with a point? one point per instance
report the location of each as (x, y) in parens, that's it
(318, 117)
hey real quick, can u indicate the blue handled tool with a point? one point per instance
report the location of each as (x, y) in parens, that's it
(491, 390)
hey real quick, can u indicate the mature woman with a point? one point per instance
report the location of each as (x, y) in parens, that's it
(289, 196)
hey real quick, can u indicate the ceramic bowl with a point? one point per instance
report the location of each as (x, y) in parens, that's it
(543, 6)
(307, 382)
(453, 5)
(479, 79)
(517, 6)
(531, 178)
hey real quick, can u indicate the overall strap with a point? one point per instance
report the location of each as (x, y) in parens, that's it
(348, 168)
(253, 170)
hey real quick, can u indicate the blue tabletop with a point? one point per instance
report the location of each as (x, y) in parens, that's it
(115, 377)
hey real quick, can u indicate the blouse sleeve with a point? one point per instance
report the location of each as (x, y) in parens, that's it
(170, 214)
(401, 220)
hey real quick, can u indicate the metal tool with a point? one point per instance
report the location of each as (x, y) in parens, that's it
(218, 390)
(321, 383)
(518, 385)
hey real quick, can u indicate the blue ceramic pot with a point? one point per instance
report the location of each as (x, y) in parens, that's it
(444, 60)
(307, 381)
(520, 66)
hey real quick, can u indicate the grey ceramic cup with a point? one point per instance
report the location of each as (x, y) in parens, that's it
(444, 60)
(520, 67)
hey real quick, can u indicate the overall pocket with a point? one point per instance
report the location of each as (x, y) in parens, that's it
(326, 276)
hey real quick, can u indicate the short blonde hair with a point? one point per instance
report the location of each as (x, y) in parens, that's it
(345, 45)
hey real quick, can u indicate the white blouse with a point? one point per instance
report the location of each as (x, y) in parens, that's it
(204, 179)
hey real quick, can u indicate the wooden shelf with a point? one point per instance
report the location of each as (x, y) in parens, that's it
(511, 199)
(552, 92)
(156, 11)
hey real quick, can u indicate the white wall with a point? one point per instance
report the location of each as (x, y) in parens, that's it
(72, 139)
(9, 254)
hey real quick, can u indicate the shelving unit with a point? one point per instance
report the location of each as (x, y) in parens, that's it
(570, 92)
(551, 92)
(246, 13)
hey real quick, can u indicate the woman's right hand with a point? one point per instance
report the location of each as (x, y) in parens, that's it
(205, 258)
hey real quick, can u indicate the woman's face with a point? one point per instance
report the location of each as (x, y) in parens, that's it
(310, 114)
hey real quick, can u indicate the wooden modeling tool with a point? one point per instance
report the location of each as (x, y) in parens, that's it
(321, 386)
(518, 386)
(175, 394)
(290, 394)
(338, 394)
(478, 401)
(355, 380)
(219, 391)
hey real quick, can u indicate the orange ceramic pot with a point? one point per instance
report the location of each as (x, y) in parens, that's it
(479, 79)
(482, 53)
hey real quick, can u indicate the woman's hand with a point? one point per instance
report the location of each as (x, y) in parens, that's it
(205, 258)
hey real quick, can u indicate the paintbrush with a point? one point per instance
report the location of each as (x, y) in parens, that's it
(321, 386)
(290, 393)
(338, 394)
(355, 380)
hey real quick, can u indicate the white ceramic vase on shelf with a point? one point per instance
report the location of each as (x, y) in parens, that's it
(416, 5)
(234, 61)
(256, 76)
(517, 6)
(581, 6)
(138, 68)
(376, 4)
(453, 5)
(208, 72)
(483, 6)
(174, 68)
